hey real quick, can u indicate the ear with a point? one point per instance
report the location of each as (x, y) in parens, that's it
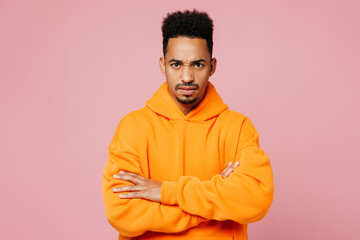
(162, 65)
(212, 66)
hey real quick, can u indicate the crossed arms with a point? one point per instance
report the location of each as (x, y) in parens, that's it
(242, 193)
(150, 189)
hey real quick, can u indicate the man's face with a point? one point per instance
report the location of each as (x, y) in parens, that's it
(187, 67)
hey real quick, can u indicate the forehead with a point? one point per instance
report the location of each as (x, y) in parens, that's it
(187, 49)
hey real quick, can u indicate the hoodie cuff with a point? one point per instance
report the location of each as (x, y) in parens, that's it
(169, 193)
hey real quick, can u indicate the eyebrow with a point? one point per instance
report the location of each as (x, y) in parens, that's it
(179, 61)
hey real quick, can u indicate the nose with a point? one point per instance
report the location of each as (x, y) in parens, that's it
(187, 74)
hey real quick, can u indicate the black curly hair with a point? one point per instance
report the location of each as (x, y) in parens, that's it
(192, 24)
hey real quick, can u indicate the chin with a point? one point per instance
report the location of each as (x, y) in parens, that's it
(186, 101)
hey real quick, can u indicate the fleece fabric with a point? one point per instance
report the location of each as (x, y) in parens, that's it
(188, 153)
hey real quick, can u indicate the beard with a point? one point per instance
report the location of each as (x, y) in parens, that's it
(186, 100)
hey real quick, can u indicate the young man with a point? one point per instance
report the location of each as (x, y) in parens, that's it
(184, 166)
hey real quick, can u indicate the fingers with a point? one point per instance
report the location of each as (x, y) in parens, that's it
(229, 169)
(131, 195)
(129, 177)
(144, 188)
(129, 188)
(133, 191)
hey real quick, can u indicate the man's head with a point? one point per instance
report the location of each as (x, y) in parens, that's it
(191, 24)
(187, 62)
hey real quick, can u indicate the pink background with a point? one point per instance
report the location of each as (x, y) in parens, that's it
(70, 70)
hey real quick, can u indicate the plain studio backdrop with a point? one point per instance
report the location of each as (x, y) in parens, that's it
(70, 70)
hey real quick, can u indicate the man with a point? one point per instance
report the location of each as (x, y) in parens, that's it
(184, 166)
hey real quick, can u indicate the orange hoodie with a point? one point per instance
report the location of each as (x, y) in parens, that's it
(188, 153)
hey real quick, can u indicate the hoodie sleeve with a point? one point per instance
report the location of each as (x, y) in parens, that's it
(133, 217)
(245, 196)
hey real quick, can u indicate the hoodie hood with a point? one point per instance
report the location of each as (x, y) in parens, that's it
(163, 104)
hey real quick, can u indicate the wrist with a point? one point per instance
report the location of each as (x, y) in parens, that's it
(169, 193)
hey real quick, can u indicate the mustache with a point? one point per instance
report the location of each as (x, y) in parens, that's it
(187, 85)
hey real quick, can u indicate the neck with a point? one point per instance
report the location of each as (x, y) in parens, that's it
(186, 108)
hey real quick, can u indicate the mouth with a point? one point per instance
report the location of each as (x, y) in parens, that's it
(187, 90)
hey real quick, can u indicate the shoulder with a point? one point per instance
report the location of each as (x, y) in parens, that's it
(140, 114)
(233, 117)
(235, 121)
(130, 125)
(237, 124)
(137, 118)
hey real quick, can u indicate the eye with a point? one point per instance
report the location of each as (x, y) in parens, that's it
(175, 65)
(198, 65)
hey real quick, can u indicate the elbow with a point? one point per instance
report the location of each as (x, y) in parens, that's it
(119, 212)
(259, 205)
(261, 200)
(260, 210)
(122, 225)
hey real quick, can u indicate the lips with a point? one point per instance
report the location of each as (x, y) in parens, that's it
(187, 90)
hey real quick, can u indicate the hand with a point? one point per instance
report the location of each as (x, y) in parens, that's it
(143, 187)
(229, 169)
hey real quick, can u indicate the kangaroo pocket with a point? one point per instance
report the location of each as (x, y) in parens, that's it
(210, 230)
(177, 237)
